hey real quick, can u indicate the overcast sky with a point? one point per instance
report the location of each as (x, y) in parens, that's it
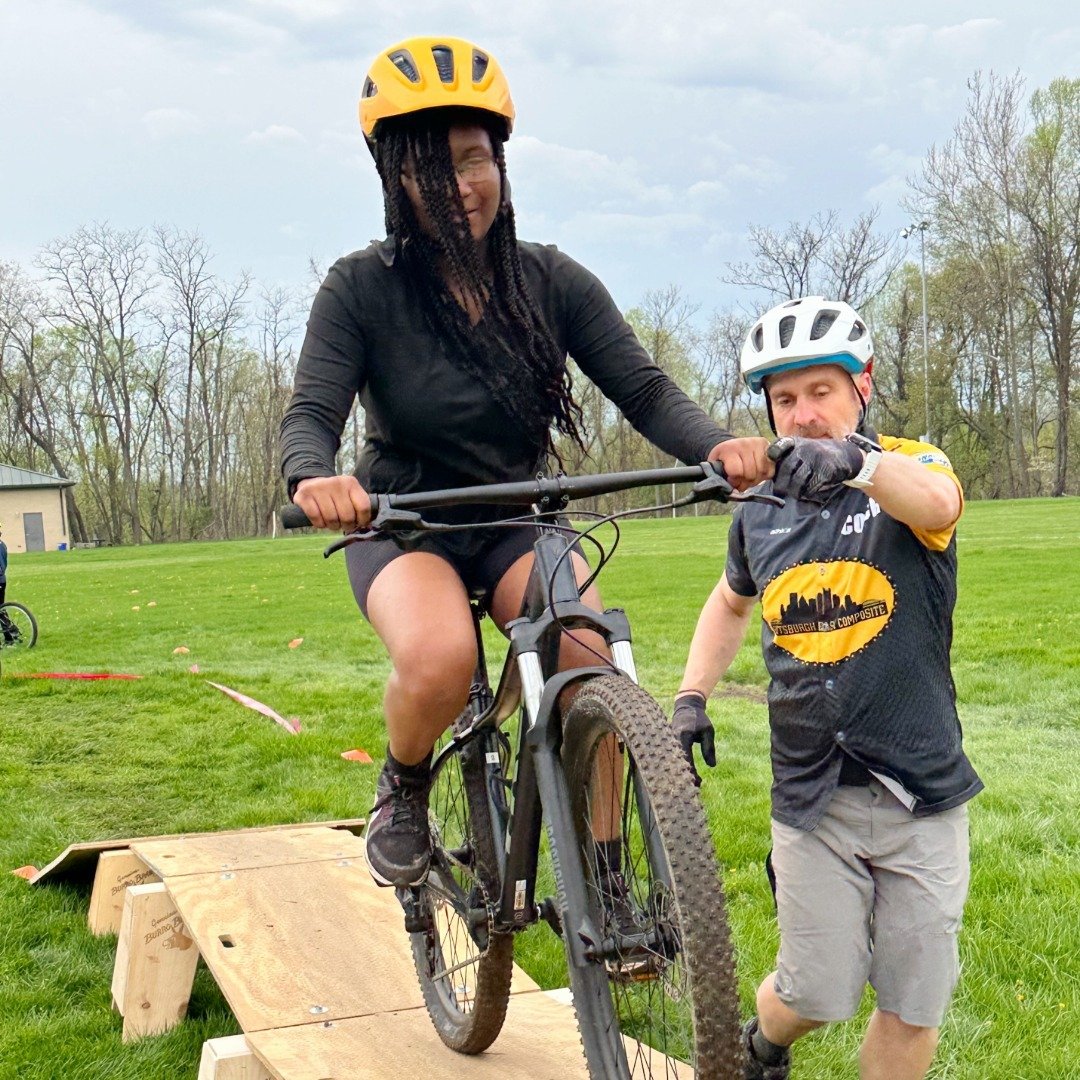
(648, 137)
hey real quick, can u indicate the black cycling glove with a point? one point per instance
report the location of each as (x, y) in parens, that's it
(811, 469)
(691, 724)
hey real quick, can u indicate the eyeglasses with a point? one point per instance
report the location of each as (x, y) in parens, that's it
(472, 170)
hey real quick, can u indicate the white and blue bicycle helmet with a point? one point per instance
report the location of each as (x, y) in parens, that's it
(804, 333)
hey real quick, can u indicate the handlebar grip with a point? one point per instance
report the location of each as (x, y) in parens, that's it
(292, 517)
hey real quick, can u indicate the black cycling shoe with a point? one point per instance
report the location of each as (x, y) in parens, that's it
(757, 1070)
(397, 843)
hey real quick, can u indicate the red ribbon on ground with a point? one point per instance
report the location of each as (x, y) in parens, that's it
(71, 675)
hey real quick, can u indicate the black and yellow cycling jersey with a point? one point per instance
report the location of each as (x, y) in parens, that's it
(856, 631)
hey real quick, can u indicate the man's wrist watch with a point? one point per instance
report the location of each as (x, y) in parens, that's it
(865, 476)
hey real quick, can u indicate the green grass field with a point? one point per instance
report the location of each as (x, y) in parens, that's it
(167, 754)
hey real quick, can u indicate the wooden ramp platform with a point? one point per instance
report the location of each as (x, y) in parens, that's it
(311, 956)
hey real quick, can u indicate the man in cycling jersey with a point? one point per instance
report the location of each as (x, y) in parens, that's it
(857, 582)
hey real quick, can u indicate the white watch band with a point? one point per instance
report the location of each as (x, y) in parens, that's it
(865, 476)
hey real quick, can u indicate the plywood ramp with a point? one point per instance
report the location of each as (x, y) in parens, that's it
(539, 1041)
(76, 863)
(315, 963)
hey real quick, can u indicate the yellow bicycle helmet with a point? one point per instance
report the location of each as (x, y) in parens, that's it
(431, 73)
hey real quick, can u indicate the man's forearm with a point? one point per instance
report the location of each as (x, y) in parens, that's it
(721, 628)
(915, 495)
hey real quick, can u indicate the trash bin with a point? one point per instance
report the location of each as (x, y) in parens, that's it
(61, 547)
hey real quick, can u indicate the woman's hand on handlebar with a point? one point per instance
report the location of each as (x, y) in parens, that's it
(334, 502)
(746, 461)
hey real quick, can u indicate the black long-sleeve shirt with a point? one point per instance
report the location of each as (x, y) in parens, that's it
(429, 423)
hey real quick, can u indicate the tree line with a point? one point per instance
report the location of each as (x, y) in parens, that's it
(127, 364)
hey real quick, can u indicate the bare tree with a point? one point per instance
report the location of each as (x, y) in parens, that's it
(818, 257)
(32, 379)
(1049, 203)
(968, 189)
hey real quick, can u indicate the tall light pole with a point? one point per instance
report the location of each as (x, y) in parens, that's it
(921, 227)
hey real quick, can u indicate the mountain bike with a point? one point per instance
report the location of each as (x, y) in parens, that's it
(647, 942)
(18, 627)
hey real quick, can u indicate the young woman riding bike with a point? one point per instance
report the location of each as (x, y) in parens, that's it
(455, 334)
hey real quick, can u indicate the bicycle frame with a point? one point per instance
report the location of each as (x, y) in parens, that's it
(530, 677)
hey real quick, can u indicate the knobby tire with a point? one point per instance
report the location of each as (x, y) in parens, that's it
(677, 994)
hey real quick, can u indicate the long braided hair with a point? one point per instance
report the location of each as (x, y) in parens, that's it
(510, 350)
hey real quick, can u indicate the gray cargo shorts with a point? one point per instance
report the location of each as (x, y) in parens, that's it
(874, 895)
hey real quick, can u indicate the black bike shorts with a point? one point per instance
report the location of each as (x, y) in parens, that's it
(480, 556)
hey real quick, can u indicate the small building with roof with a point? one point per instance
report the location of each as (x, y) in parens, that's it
(33, 510)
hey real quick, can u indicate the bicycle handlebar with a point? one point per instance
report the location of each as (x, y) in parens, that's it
(549, 492)
(542, 489)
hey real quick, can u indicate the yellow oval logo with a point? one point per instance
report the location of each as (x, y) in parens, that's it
(823, 613)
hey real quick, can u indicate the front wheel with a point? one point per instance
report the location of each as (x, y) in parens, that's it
(663, 973)
(18, 627)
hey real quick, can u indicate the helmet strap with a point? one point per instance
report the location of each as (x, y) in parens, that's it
(768, 408)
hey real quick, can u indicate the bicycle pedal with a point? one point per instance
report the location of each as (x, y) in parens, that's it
(417, 920)
(647, 970)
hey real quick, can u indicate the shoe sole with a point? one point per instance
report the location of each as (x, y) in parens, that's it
(386, 883)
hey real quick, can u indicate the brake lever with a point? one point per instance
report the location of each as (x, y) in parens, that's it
(714, 485)
(349, 538)
(404, 527)
(758, 496)
(717, 486)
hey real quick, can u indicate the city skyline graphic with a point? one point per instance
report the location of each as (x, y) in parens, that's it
(825, 612)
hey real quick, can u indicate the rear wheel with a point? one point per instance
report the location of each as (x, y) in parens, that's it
(463, 965)
(664, 972)
(18, 627)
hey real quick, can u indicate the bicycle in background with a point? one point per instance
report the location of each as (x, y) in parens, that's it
(18, 627)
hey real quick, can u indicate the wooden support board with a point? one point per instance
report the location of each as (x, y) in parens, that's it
(155, 963)
(117, 871)
(231, 1058)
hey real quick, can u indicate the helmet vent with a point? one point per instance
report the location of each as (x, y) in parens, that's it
(758, 337)
(857, 331)
(787, 328)
(822, 324)
(480, 63)
(370, 89)
(403, 61)
(444, 62)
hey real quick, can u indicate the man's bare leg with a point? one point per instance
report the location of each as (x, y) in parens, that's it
(893, 1050)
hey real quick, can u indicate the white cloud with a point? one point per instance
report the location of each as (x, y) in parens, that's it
(575, 173)
(241, 30)
(973, 31)
(708, 189)
(170, 123)
(897, 165)
(305, 10)
(637, 231)
(275, 134)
